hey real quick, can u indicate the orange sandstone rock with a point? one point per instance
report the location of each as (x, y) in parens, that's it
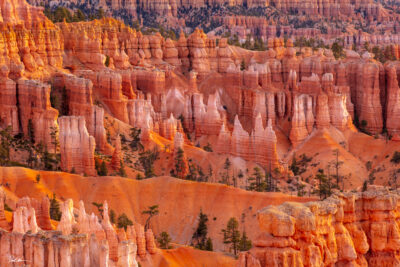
(76, 146)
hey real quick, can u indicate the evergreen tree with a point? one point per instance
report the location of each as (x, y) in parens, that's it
(47, 160)
(79, 16)
(147, 159)
(199, 238)
(123, 221)
(163, 240)
(244, 243)
(324, 186)
(232, 235)
(112, 216)
(6, 143)
(107, 62)
(256, 181)
(55, 142)
(209, 245)
(208, 148)
(151, 211)
(55, 213)
(121, 171)
(242, 65)
(102, 171)
(227, 166)
(135, 143)
(179, 164)
(99, 207)
(337, 50)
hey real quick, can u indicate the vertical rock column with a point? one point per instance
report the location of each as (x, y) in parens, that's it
(34, 105)
(392, 101)
(8, 101)
(76, 146)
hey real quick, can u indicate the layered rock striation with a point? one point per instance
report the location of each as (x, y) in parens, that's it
(80, 240)
(358, 229)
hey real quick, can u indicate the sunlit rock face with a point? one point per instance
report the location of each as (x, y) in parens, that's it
(81, 239)
(346, 228)
(76, 145)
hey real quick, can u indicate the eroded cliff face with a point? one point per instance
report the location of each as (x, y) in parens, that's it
(31, 45)
(357, 229)
(81, 239)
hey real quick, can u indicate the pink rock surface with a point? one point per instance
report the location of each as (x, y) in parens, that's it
(76, 145)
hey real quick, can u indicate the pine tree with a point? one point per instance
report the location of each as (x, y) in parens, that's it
(225, 176)
(103, 171)
(123, 221)
(232, 235)
(135, 143)
(147, 159)
(55, 213)
(112, 216)
(324, 186)
(242, 65)
(152, 211)
(122, 171)
(99, 207)
(163, 240)
(244, 243)
(256, 181)
(209, 245)
(179, 164)
(7, 141)
(107, 62)
(199, 238)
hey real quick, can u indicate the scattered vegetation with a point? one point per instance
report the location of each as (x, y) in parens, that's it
(121, 171)
(396, 157)
(107, 62)
(324, 184)
(299, 166)
(199, 237)
(113, 216)
(136, 144)
(60, 14)
(208, 148)
(178, 171)
(233, 238)
(7, 208)
(147, 159)
(55, 213)
(101, 168)
(123, 221)
(196, 172)
(163, 240)
(99, 207)
(151, 212)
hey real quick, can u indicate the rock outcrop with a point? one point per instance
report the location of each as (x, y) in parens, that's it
(357, 229)
(76, 146)
(81, 242)
(35, 111)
